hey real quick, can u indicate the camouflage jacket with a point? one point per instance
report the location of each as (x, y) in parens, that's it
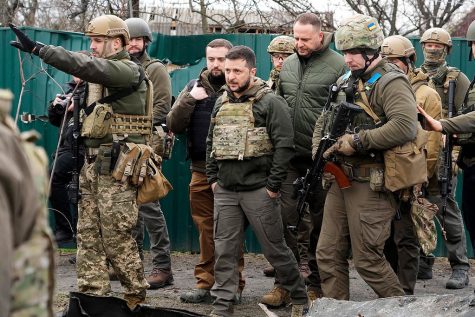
(268, 171)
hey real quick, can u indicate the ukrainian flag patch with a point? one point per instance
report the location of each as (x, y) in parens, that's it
(371, 26)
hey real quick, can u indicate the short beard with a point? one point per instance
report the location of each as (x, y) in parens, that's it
(220, 79)
(137, 54)
(244, 87)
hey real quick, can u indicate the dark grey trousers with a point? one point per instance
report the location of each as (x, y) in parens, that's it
(232, 212)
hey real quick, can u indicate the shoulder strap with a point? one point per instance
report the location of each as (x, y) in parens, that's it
(365, 102)
(118, 95)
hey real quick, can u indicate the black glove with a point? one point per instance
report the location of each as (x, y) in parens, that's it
(24, 43)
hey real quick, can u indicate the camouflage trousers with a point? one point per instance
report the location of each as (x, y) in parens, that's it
(107, 214)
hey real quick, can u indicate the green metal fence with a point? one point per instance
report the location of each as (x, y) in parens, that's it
(182, 50)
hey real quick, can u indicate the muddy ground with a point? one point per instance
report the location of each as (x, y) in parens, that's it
(256, 284)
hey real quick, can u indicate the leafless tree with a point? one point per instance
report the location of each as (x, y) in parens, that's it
(408, 16)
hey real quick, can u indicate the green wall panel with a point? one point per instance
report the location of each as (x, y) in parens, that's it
(188, 51)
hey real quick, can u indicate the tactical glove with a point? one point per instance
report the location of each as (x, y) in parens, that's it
(24, 43)
(344, 145)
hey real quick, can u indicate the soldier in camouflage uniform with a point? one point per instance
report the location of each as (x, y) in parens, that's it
(151, 214)
(436, 45)
(360, 216)
(279, 49)
(463, 126)
(400, 51)
(108, 209)
(27, 266)
(248, 149)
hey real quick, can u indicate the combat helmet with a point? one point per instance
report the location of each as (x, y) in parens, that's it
(138, 28)
(281, 44)
(471, 32)
(359, 32)
(398, 46)
(108, 25)
(437, 35)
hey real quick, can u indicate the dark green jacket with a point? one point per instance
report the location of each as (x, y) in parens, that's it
(461, 124)
(114, 73)
(266, 171)
(304, 85)
(162, 87)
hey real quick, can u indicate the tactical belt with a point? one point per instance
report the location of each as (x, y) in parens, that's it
(359, 173)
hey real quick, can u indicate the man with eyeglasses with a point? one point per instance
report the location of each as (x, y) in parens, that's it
(279, 49)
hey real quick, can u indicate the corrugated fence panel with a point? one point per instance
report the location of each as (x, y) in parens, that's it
(188, 51)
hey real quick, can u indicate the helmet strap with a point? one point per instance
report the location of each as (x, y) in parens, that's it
(359, 72)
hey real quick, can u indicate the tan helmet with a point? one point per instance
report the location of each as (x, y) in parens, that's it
(398, 46)
(282, 44)
(359, 32)
(436, 35)
(110, 26)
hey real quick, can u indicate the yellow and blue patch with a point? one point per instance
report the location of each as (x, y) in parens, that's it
(371, 26)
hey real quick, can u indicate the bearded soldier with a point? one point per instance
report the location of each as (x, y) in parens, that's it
(436, 45)
(115, 120)
(151, 214)
(400, 52)
(248, 149)
(360, 216)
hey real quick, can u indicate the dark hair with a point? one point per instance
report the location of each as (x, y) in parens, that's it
(220, 43)
(242, 52)
(309, 18)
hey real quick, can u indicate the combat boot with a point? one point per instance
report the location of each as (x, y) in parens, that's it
(160, 278)
(425, 267)
(269, 271)
(314, 293)
(197, 295)
(458, 280)
(276, 298)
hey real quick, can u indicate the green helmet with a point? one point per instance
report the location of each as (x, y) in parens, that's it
(359, 31)
(138, 28)
(281, 44)
(471, 32)
(110, 26)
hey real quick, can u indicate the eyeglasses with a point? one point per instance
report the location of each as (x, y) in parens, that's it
(280, 56)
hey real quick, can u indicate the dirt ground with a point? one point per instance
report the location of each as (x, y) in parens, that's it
(256, 285)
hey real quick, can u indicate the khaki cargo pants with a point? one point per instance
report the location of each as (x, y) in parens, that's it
(362, 217)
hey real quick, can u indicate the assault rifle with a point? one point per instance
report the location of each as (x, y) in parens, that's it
(73, 186)
(445, 175)
(343, 116)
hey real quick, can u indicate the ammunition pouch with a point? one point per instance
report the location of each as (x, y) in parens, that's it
(97, 124)
(406, 165)
(155, 185)
(124, 168)
(102, 163)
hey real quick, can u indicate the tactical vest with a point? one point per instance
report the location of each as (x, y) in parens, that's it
(199, 125)
(102, 122)
(234, 134)
(440, 82)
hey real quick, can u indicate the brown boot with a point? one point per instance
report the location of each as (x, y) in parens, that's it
(269, 271)
(314, 293)
(160, 278)
(276, 298)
